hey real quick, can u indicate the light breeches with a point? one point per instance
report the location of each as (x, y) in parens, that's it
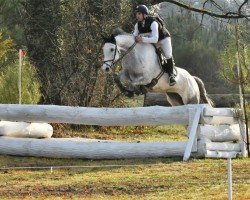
(166, 47)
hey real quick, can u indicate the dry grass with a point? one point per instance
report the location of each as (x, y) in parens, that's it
(148, 179)
(153, 179)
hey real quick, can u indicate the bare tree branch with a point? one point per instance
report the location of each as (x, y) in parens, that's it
(239, 11)
(228, 15)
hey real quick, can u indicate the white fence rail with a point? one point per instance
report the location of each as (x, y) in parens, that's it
(200, 142)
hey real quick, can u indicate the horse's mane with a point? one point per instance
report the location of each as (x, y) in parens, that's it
(115, 32)
(119, 31)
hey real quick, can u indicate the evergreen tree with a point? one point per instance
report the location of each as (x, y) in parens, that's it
(42, 23)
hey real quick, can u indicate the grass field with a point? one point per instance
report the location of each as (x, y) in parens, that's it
(161, 178)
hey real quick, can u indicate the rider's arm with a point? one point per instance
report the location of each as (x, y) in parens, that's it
(153, 38)
(136, 31)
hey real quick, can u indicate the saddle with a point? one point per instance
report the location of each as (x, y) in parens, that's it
(164, 66)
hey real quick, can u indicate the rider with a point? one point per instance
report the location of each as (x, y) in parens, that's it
(158, 35)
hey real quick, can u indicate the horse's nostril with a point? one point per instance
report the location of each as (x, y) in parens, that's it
(107, 69)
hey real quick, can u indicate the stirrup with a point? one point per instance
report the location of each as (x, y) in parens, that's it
(172, 80)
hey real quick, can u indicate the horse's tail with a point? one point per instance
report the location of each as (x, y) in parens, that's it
(204, 98)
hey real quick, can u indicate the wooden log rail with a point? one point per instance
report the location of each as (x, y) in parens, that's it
(190, 115)
(155, 115)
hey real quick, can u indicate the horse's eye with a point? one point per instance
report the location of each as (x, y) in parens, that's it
(112, 50)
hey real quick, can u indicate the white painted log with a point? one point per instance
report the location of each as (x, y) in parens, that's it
(218, 120)
(155, 115)
(221, 133)
(192, 135)
(222, 146)
(191, 113)
(226, 112)
(78, 148)
(243, 137)
(221, 154)
(217, 116)
(201, 148)
(24, 129)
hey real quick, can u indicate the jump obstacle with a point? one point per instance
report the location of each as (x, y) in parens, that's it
(212, 132)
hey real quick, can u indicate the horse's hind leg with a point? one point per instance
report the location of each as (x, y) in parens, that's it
(174, 99)
(190, 99)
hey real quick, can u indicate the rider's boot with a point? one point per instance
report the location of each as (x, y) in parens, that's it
(170, 70)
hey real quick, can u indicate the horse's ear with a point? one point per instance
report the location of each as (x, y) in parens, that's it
(104, 38)
(112, 39)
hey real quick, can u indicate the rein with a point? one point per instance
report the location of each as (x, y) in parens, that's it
(121, 57)
(129, 49)
(154, 80)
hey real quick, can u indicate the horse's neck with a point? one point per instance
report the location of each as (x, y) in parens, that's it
(124, 41)
(142, 56)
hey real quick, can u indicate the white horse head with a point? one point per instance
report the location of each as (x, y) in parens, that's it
(111, 54)
(140, 65)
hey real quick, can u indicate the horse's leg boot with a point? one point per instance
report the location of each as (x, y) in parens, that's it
(143, 89)
(128, 94)
(122, 88)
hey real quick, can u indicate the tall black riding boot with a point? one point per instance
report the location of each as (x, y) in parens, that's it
(170, 71)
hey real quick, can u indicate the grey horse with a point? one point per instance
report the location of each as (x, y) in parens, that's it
(140, 65)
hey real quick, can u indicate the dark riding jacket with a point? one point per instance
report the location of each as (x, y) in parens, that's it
(144, 27)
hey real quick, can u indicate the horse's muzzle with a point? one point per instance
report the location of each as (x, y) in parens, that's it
(107, 69)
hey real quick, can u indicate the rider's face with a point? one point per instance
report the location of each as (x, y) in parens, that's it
(139, 16)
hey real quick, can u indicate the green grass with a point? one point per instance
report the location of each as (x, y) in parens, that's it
(162, 178)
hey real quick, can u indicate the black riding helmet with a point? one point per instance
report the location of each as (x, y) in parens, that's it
(142, 9)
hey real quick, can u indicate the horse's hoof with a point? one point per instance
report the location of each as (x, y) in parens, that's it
(143, 89)
(129, 94)
(138, 93)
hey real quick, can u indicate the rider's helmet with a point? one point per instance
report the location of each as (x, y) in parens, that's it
(142, 9)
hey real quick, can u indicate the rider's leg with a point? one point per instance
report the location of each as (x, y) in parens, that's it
(166, 46)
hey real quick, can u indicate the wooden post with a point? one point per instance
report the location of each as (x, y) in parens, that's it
(20, 54)
(229, 178)
(192, 135)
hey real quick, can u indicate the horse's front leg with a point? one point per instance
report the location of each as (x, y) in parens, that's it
(123, 81)
(140, 79)
(127, 83)
(140, 82)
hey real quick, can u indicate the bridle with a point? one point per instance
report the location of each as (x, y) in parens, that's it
(113, 62)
